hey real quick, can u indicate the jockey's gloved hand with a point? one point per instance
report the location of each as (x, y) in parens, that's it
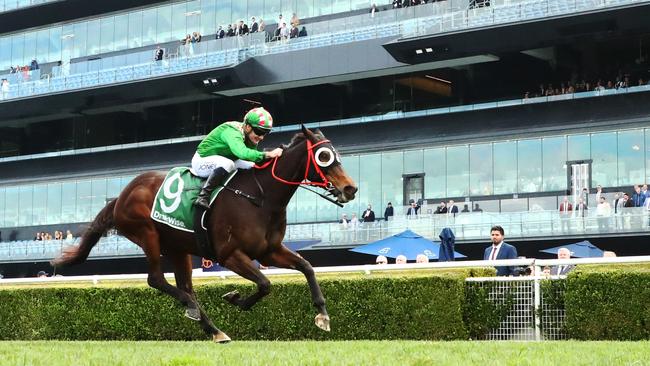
(275, 153)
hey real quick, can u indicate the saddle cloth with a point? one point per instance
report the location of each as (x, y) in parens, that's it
(173, 204)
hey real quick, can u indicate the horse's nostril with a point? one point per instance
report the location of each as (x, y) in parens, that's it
(350, 190)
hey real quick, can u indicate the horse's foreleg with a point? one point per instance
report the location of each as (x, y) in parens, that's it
(284, 258)
(183, 275)
(241, 264)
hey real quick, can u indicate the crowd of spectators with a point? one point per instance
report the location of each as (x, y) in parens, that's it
(58, 235)
(622, 81)
(285, 29)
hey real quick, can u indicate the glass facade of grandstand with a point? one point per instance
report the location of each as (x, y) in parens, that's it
(525, 166)
(149, 26)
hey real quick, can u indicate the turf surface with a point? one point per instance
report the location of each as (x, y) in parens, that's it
(397, 353)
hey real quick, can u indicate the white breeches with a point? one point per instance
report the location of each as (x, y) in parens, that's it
(202, 167)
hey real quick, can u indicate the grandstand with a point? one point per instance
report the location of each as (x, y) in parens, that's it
(505, 107)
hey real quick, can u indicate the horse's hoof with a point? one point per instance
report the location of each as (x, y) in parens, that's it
(193, 314)
(232, 297)
(220, 337)
(323, 322)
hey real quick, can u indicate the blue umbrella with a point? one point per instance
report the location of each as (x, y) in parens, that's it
(406, 243)
(583, 249)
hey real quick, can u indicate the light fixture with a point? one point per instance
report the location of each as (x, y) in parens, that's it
(418, 51)
(429, 49)
(206, 82)
(190, 13)
(67, 36)
(214, 81)
(437, 79)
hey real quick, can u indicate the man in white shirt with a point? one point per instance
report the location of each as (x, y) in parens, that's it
(603, 212)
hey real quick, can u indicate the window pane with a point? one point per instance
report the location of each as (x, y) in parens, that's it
(529, 159)
(369, 183)
(55, 44)
(579, 148)
(113, 188)
(351, 166)
(273, 8)
(84, 201)
(505, 161)
(413, 162)
(39, 204)
(148, 27)
(135, 29)
(322, 7)
(291, 210)
(457, 171)
(208, 17)
(17, 48)
(631, 149)
(80, 31)
(107, 34)
(306, 206)
(121, 32)
(239, 11)
(305, 8)
(26, 194)
(288, 9)
(480, 169)
(30, 48)
(255, 9)
(98, 195)
(93, 37)
(5, 53)
(69, 202)
(2, 209)
(12, 206)
(340, 6)
(164, 24)
(54, 196)
(435, 182)
(391, 178)
(554, 164)
(42, 46)
(223, 13)
(603, 153)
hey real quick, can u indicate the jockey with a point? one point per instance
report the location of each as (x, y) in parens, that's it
(231, 146)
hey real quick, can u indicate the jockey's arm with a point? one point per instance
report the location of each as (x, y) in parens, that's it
(239, 149)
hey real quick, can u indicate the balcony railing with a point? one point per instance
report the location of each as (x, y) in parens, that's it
(466, 226)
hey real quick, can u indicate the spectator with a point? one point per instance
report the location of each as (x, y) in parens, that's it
(581, 208)
(294, 31)
(354, 222)
(196, 37)
(4, 88)
(646, 193)
(262, 25)
(243, 28)
(412, 211)
(303, 32)
(280, 20)
(69, 235)
(500, 250)
(603, 212)
(546, 271)
(638, 198)
(442, 208)
(230, 32)
(609, 254)
(388, 212)
(465, 208)
(452, 210)
(373, 10)
(220, 33)
(295, 21)
(618, 203)
(34, 65)
(41, 274)
(381, 260)
(254, 25)
(599, 193)
(401, 259)
(421, 258)
(284, 32)
(368, 215)
(477, 208)
(344, 221)
(563, 269)
(38, 237)
(158, 54)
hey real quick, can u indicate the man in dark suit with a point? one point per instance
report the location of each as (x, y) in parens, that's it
(500, 250)
(221, 33)
(254, 25)
(563, 270)
(158, 55)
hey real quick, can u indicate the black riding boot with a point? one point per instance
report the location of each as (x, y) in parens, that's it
(213, 181)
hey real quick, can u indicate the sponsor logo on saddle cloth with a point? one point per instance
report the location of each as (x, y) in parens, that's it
(173, 204)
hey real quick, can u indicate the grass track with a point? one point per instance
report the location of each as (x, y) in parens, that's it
(398, 353)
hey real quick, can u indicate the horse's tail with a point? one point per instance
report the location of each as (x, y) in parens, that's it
(78, 254)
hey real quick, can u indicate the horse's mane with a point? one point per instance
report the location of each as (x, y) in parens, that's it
(300, 137)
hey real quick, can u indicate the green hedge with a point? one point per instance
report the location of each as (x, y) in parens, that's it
(608, 304)
(371, 307)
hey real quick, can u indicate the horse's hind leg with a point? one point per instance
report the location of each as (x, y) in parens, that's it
(284, 258)
(241, 264)
(183, 275)
(149, 240)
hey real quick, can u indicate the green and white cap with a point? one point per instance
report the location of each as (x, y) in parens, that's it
(259, 118)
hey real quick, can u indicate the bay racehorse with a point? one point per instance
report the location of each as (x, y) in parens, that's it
(238, 229)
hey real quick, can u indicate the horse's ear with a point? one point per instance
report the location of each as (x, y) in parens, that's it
(308, 134)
